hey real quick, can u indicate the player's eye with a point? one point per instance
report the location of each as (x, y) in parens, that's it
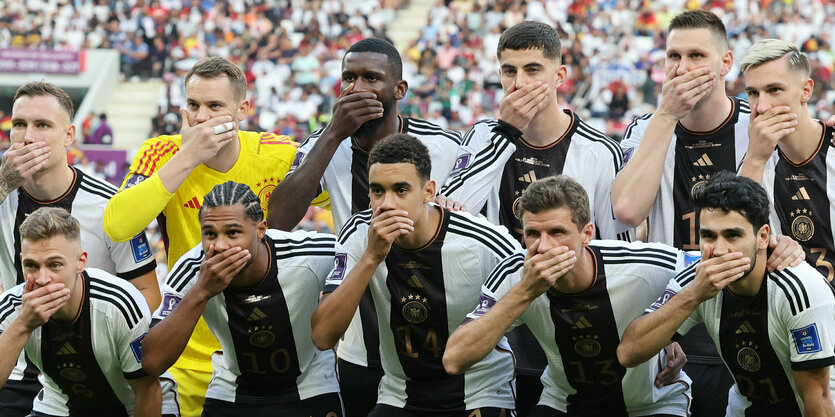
(43, 125)
(18, 124)
(215, 106)
(233, 232)
(402, 190)
(696, 55)
(348, 78)
(673, 56)
(193, 106)
(509, 72)
(371, 78)
(56, 265)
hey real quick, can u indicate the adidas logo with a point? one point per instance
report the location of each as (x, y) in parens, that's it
(67, 349)
(801, 194)
(745, 327)
(529, 177)
(193, 203)
(583, 323)
(256, 315)
(703, 161)
(414, 282)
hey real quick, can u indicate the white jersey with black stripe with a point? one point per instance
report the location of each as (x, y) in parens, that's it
(421, 296)
(94, 356)
(268, 355)
(346, 177)
(789, 325)
(580, 332)
(492, 170)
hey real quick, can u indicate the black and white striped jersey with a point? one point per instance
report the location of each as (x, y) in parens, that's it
(85, 200)
(492, 171)
(421, 296)
(691, 159)
(345, 186)
(803, 201)
(85, 365)
(789, 325)
(268, 356)
(346, 178)
(580, 333)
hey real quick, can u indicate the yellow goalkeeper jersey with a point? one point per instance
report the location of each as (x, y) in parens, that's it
(263, 161)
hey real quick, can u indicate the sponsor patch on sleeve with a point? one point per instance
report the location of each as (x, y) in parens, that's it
(136, 347)
(461, 164)
(140, 248)
(668, 293)
(169, 302)
(135, 179)
(626, 155)
(485, 303)
(297, 161)
(340, 261)
(806, 339)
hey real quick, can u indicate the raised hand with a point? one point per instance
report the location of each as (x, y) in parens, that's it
(20, 162)
(713, 274)
(202, 141)
(520, 105)
(38, 305)
(680, 93)
(385, 227)
(766, 129)
(542, 270)
(219, 268)
(352, 110)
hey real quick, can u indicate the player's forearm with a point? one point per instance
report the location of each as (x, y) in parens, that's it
(637, 184)
(290, 199)
(752, 169)
(148, 397)
(131, 210)
(813, 386)
(4, 191)
(175, 172)
(11, 344)
(648, 334)
(166, 341)
(474, 340)
(335, 312)
(149, 287)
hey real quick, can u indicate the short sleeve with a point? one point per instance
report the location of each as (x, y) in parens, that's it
(129, 344)
(178, 282)
(811, 331)
(132, 258)
(604, 216)
(504, 276)
(633, 135)
(673, 288)
(10, 302)
(322, 199)
(343, 261)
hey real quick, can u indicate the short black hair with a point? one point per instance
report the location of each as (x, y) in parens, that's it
(701, 19)
(531, 35)
(731, 192)
(231, 193)
(404, 148)
(380, 46)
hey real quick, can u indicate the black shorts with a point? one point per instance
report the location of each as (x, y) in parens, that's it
(358, 385)
(16, 398)
(545, 411)
(383, 410)
(325, 405)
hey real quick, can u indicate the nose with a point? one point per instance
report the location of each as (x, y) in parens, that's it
(762, 104)
(221, 244)
(546, 243)
(683, 66)
(721, 247)
(42, 277)
(360, 85)
(388, 202)
(202, 114)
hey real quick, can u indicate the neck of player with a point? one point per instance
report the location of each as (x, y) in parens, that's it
(710, 113)
(391, 125)
(801, 144)
(226, 157)
(69, 311)
(48, 185)
(750, 284)
(581, 277)
(256, 271)
(426, 227)
(548, 125)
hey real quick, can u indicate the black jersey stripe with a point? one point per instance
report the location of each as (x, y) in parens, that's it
(468, 137)
(467, 224)
(95, 191)
(486, 242)
(426, 128)
(311, 241)
(116, 294)
(633, 261)
(617, 256)
(620, 251)
(99, 184)
(800, 285)
(286, 255)
(593, 135)
(503, 270)
(685, 277)
(744, 107)
(9, 305)
(184, 270)
(634, 123)
(128, 319)
(363, 217)
(484, 159)
(787, 292)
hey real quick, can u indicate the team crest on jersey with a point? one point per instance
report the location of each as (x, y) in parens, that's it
(515, 207)
(587, 346)
(71, 372)
(261, 336)
(803, 228)
(169, 302)
(340, 261)
(806, 339)
(414, 308)
(698, 182)
(747, 357)
(668, 293)
(461, 163)
(485, 303)
(264, 189)
(136, 347)
(140, 248)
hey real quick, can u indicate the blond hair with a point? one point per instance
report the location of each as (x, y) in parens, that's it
(767, 50)
(216, 67)
(47, 222)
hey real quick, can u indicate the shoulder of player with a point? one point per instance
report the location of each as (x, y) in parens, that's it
(427, 131)
(632, 253)
(10, 301)
(185, 269)
(154, 153)
(802, 287)
(478, 230)
(637, 127)
(99, 190)
(601, 145)
(355, 226)
(744, 107)
(479, 131)
(301, 244)
(510, 268)
(110, 293)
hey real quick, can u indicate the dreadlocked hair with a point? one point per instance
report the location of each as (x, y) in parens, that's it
(231, 193)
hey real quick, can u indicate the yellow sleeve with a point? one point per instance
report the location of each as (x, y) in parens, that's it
(142, 196)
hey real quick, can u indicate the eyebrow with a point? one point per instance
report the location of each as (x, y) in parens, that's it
(18, 119)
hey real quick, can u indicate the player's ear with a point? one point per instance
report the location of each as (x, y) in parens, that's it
(70, 138)
(400, 89)
(243, 111)
(82, 262)
(560, 76)
(763, 237)
(727, 62)
(806, 90)
(261, 229)
(588, 233)
(428, 191)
